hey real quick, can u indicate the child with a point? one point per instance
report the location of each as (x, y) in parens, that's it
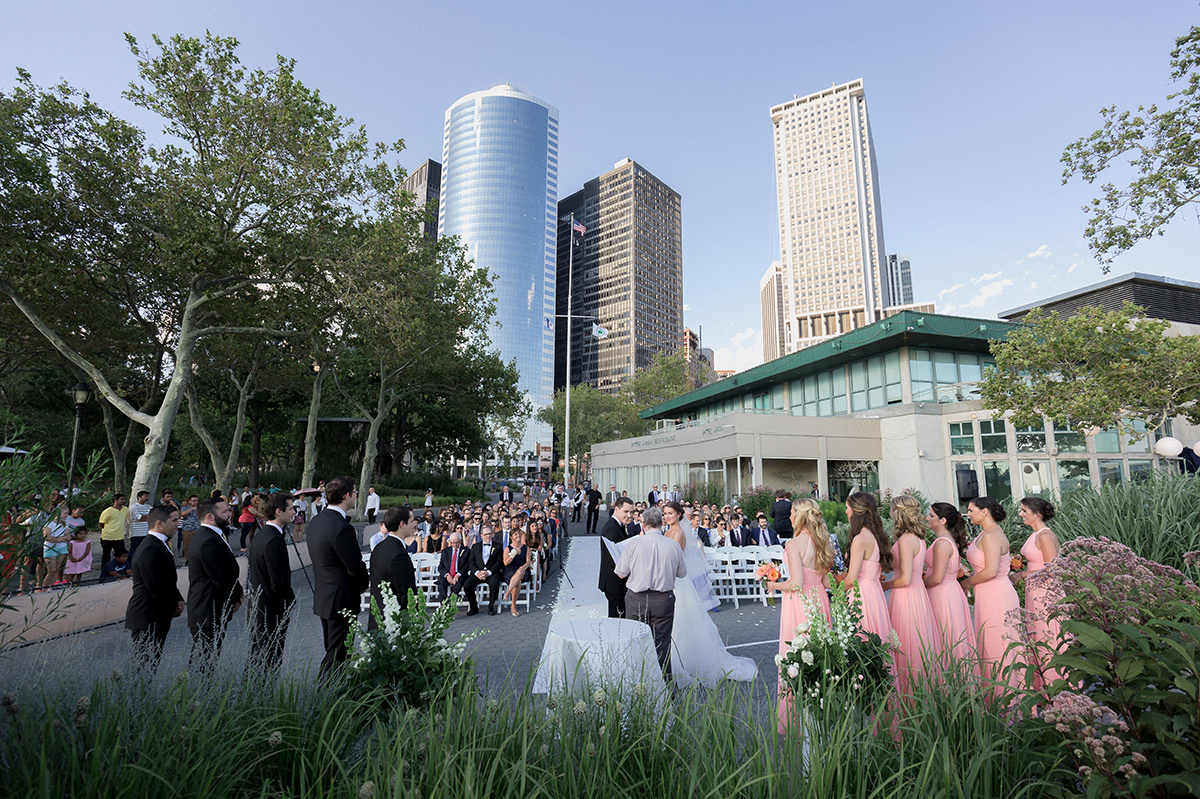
(79, 556)
(116, 569)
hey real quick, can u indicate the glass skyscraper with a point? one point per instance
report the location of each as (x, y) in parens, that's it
(500, 197)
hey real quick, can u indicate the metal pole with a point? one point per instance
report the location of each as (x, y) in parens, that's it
(74, 450)
(570, 319)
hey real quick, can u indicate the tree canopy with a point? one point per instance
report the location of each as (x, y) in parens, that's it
(1164, 150)
(1095, 369)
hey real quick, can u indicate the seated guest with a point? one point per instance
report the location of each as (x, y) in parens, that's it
(766, 535)
(452, 566)
(740, 536)
(516, 567)
(701, 530)
(116, 569)
(434, 539)
(484, 565)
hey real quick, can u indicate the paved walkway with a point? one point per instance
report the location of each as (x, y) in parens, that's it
(506, 654)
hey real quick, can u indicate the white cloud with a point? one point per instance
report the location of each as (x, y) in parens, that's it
(986, 276)
(1041, 252)
(686, 307)
(944, 292)
(985, 294)
(1074, 266)
(1033, 285)
(743, 351)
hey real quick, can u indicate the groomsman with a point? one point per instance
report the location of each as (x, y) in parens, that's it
(390, 563)
(214, 587)
(270, 574)
(156, 599)
(339, 574)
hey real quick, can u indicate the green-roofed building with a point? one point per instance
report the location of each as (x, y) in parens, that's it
(894, 404)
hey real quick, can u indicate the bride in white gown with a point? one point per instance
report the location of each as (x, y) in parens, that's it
(697, 651)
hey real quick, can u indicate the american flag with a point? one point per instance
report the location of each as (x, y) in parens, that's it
(579, 228)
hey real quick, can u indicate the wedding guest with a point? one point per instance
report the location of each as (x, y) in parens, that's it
(996, 601)
(452, 566)
(870, 556)
(946, 597)
(214, 589)
(391, 563)
(270, 578)
(435, 539)
(1039, 549)
(485, 565)
(516, 567)
(79, 556)
(156, 599)
(909, 610)
(809, 555)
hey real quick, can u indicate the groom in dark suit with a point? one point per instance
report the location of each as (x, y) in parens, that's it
(339, 574)
(614, 530)
(156, 599)
(390, 563)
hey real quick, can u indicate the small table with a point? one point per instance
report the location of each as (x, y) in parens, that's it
(582, 654)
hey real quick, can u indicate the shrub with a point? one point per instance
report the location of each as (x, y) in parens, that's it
(758, 499)
(1133, 646)
(711, 492)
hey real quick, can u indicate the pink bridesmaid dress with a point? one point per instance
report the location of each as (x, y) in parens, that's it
(997, 619)
(950, 609)
(1038, 605)
(875, 617)
(912, 618)
(791, 616)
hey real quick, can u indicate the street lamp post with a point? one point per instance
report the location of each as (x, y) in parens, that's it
(80, 393)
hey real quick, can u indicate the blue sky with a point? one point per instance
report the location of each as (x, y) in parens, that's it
(971, 106)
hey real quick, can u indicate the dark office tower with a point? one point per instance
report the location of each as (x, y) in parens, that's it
(627, 285)
(899, 280)
(425, 182)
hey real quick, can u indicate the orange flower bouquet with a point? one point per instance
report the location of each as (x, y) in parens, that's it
(767, 572)
(1018, 563)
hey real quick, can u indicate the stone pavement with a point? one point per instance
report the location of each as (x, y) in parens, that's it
(506, 654)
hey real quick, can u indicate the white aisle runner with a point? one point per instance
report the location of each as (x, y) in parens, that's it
(584, 648)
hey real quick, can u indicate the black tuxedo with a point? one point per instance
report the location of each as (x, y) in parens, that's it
(612, 585)
(214, 588)
(339, 578)
(391, 564)
(494, 563)
(506, 495)
(702, 534)
(593, 511)
(270, 575)
(781, 512)
(767, 537)
(652, 498)
(444, 570)
(155, 600)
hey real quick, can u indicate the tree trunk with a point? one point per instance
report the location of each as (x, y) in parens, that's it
(256, 426)
(398, 446)
(310, 432)
(118, 451)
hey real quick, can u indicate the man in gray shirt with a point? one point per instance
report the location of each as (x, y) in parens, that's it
(650, 563)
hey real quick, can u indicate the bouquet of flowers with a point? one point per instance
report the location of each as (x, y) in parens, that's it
(839, 658)
(1017, 564)
(767, 572)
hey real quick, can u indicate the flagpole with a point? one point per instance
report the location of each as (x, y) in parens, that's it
(569, 319)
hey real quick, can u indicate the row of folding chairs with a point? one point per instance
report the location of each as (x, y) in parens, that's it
(734, 570)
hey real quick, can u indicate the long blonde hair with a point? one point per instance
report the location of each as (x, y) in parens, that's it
(907, 517)
(806, 515)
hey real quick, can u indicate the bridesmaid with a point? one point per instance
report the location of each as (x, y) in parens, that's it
(1040, 548)
(997, 606)
(809, 554)
(869, 557)
(946, 596)
(908, 603)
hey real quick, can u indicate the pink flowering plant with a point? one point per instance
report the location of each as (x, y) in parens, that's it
(1130, 656)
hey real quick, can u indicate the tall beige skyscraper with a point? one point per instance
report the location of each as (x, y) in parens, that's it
(832, 277)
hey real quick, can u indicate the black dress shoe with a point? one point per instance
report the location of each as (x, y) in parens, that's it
(493, 611)
(472, 611)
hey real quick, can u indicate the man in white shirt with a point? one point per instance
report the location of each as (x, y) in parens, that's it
(139, 525)
(372, 505)
(650, 564)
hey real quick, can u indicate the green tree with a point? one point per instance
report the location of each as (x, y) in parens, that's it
(1096, 369)
(1164, 150)
(667, 377)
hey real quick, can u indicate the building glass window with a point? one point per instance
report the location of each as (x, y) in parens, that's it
(1107, 441)
(1140, 471)
(875, 382)
(1142, 443)
(996, 480)
(938, 376)
(1068, 440)
(1111, 472)
(1035, 478)
(822, 394)
(1031, 439)
(962, 438)
(993, 438)
(1072, 475)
